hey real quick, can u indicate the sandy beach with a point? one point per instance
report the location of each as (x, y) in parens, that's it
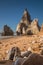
(34, 42)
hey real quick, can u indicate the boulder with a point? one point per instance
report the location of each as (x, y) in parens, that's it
(33, 59)
(13, 53)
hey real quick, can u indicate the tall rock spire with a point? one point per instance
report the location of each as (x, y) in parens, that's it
(26, 17)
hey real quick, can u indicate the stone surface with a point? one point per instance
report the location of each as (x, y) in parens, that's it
(28, 26)
(25, 21)
(35, 26)
(7, 31)
(33, 59)
(41, 28)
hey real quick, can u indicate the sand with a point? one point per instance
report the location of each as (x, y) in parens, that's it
(33, 42)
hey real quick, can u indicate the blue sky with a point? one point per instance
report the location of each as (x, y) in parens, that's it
(11, 11)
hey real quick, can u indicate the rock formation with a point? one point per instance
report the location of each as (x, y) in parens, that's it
(7, 31)
(23, 25)
(13, 53)
(41, 28)
(29, 30)
(27, 26)
(35, 26)
(21, 28)
(26, 17)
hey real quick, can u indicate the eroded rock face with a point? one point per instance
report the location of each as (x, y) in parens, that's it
(26, 18)
(7, 31)
(23, 25)
(29, 30)
(35, 26)
(41, 28)
(21, 28)
(27, 26)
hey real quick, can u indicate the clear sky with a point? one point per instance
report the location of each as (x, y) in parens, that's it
(11, 11)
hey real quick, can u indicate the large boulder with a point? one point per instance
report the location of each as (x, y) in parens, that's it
(33, 59)
(7, 31)
(13, 53)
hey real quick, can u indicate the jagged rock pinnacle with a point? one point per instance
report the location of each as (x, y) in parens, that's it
(26, 18)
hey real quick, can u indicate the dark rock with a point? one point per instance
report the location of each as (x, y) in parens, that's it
(33, 59)
(7, 31)
(26, 54)
(19, 61)
(13, 53)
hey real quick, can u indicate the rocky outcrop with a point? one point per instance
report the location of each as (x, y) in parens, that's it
(26, 18)
(27, 26)
(41, 28)
(35, 26)
(29, 31)
(23, 25)
(21, 28)
(7, 31)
